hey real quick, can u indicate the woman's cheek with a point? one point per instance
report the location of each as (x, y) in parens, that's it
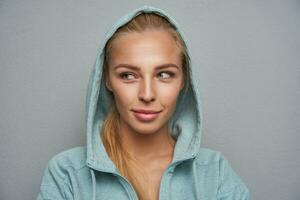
(168, 94)
(125, 93)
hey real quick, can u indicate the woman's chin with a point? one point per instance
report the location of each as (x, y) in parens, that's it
(147, 129)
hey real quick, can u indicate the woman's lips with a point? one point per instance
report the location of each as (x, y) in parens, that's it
(145, 117)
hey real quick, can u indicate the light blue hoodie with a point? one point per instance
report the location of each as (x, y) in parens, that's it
(87, 172)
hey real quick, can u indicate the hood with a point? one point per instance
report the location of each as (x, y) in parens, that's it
(185, 124)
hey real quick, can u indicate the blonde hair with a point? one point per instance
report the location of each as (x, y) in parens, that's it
(126, 164)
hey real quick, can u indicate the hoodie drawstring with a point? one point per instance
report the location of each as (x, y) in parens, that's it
(196, 181)
(94, 184)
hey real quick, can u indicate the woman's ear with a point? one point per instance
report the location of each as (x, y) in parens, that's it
(182, 84)
(106, 79)
(107, 84)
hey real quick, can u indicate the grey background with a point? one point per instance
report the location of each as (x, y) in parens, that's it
(247, 57)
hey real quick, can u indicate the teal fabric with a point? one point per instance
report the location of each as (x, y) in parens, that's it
(87, 172)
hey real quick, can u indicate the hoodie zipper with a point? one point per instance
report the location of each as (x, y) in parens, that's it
(166, 175)
(129, 188)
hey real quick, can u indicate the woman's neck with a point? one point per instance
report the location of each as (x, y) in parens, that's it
(146, 146)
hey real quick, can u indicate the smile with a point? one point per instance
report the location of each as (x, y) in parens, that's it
(145, 117)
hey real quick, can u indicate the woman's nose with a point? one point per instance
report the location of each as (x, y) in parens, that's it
(147, 90)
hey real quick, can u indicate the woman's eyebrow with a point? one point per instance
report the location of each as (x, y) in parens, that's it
(136, 68)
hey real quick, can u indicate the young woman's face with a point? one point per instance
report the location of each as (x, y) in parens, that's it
(145, 72)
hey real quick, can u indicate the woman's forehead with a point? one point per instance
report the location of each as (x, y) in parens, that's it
(150, 46)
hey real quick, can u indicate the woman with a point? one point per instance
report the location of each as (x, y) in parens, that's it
(143, 122)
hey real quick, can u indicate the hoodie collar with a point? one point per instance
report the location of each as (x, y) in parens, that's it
(186, 122)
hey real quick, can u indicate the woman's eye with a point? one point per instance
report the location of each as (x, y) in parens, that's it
(131, 76)
(167, 74)
(126, 76)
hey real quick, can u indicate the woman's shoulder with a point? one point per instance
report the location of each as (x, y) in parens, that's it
(206, 156)
(74, 158)
(230, 183)
(60, 170)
